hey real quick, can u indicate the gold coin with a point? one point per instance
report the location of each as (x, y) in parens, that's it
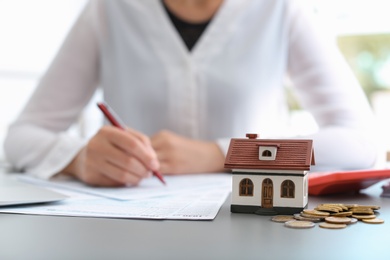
(338, 220)
(362, 211)
(332, 204)
(282, 218)
(351, 205)
(342, 214)
(332, 225)
(340, 207)
(316, 212)
(363, 216)
(373, 221)
(374, 207)
(302, 218)
(312, 216)
(299, 224)
(328, 209)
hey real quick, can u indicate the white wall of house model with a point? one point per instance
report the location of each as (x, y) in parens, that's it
(300, 181)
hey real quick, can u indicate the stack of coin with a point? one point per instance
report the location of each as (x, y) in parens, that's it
(332, 216)
(366, 214)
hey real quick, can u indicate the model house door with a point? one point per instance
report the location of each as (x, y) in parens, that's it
(267, 194)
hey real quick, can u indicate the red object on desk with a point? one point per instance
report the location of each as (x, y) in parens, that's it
(115, 121)
(345, 181)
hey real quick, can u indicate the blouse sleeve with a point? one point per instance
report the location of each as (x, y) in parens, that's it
(326, 87)
(38, 142)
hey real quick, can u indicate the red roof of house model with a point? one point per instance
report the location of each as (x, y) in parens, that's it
(292, 154)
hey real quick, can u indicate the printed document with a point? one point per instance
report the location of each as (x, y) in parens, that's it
(189, 197)
(148, 188)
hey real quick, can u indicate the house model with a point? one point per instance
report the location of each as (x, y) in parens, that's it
(270, 176)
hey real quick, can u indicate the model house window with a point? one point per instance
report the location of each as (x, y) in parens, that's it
(288, 189)
(246, 187)
(268, 152)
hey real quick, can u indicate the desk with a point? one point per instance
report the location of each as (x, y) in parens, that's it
(229, 236)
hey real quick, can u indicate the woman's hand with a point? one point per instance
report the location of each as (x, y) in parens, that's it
(180, 155)
(114, 157)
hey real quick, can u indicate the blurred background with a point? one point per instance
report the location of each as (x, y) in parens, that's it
(32, 31)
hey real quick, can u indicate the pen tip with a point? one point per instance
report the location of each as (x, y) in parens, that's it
(159, 176)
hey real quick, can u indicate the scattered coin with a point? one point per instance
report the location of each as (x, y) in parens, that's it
(373, 221)
(361, 217)
(338, 220)
(331, 216)
(342, 207)
(334, 206)
(328, 209)
(316, 212)
(362, 211)
(373, 207)
(282, 218)
(332, 225)
(300, 217)
(299, 224)
(350, 205)
(342, 214)
(321, 218)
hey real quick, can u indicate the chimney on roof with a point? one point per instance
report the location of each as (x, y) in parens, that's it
(251, 136)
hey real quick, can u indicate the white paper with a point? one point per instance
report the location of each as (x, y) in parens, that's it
(188, 205)
(191, 197)
(148, 188)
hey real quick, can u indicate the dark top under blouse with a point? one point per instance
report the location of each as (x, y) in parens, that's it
(189, 32)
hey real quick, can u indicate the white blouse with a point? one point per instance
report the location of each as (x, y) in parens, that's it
(230, 84)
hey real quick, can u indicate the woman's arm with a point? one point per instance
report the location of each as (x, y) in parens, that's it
(326, 87)
(37, 141)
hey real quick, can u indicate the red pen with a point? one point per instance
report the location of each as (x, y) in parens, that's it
(115, 121)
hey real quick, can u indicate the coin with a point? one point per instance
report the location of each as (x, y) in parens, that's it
(316, 212)
(312, 219)
(332, 225)
(373, 207)
(282, 218)
(337, 205)
(373, 221)
(341, 206)
(362, 211)
(321, 218)
(329, 209)
(363, 216)
(351, 205)
(342, 214)
(335, 215)
(338, 220)
(299, 224)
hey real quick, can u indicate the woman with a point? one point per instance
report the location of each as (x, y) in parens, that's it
(188, 75)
